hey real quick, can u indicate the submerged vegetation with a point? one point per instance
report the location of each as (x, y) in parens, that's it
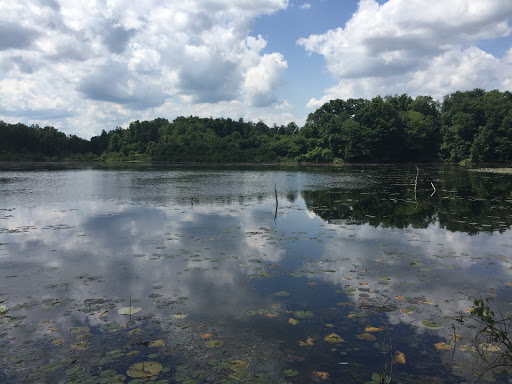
(468, 127)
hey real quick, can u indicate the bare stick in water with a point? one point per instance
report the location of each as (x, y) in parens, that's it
(416, 181)
(434, 187)
(277, 202)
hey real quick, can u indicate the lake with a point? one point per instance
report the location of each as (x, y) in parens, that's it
(188, 274)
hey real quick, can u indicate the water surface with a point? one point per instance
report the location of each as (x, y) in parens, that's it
(231, 292)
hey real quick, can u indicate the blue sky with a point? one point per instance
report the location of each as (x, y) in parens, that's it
(87, 66)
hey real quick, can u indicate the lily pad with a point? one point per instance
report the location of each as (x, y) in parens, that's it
(282, 293)
(399, 358)
(431, 325)
(291, 372)
(144, 369)
(156, 343)
(180, 316)
(293, 321)
(115, 353)
(239, 374)
(213, 343)
(111, 327)
(129, 310)
(442, 346)
(238, 364)
(81, 345)
(304, 314)
(366, 336)
(334, 338)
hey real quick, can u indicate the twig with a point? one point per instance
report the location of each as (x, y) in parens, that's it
(416, 181)
(454, 341)
(277, 203)
(434, 187)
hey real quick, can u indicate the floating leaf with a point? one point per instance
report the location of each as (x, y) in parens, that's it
(308, 342)
(373, 329)
(399, 358)
(322, 375)
(466, 348)
(304, 314)
(366, 336)
(238, 364)
(205, 335)
(271, 315)
(77, 370)
(144, 369)
(213, 343)
(156, 343)
(399, 297)
(334, 338)
(509, 284)
(115, 353)
(328, 270)
(84, 336)
(442, 346)
(293, 321)
(81, 345)
(282, 293)
(58, 342)
(129, 310)
(406, 311)
(111, 327)
(431, 325)
(329, 325)
(239, 374)
(487, 347)
(78, 329)
(291, 372)
(179, 316)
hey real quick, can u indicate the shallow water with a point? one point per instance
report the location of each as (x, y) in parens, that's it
(221, 278)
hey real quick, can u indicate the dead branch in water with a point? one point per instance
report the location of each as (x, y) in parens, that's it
(416, 181)
(434, 187)
(277, 202)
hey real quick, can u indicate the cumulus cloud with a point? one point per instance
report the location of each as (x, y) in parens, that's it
(414, 46)
(261, 79)
(134, 55)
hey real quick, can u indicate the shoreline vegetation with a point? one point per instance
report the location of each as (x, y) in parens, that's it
(472, 127)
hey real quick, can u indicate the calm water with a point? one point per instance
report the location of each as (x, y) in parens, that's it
(222, 281)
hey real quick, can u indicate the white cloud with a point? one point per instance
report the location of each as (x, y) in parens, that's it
(414, 46)
(305, 6)
(261, 79)
(73, 56)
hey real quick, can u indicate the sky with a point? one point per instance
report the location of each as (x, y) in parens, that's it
(85, 66)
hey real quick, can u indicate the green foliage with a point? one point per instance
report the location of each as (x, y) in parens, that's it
(492, 341)
(473, 126)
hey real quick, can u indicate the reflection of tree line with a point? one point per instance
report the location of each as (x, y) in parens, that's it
(464, 201)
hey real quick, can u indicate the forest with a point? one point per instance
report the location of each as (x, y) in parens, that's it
(467, 127)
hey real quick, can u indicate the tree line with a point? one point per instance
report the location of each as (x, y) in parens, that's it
(473, 126)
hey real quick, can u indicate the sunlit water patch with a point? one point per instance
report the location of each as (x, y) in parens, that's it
(179, 274)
